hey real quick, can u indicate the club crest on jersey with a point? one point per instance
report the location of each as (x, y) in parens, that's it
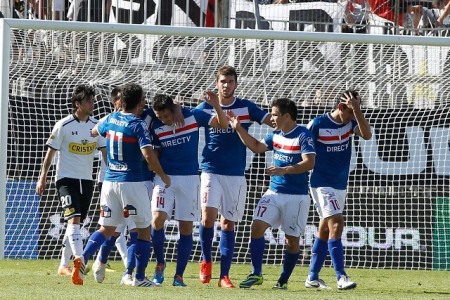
(105, 211)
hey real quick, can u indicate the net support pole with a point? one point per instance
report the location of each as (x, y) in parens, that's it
(4, 94)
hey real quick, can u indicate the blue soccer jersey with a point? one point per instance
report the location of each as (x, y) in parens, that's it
(334, 150)
(224, 153)
(179, 146)
(288, 149)
(148, 116)
(125, 136)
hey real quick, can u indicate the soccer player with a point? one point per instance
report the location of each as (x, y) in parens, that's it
(333, 137)
(124, 193)
(118, 238)
(286, 202)
(178, 155)
(71, 137)
(223, 185)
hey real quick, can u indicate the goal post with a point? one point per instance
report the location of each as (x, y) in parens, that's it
(399, 186)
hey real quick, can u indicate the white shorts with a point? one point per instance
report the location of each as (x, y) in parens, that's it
(328, 201)
(122, 200)
(289, 212)
(226, 193)
(182, 196)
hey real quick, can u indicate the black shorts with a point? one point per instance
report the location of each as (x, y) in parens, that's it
(75, 196)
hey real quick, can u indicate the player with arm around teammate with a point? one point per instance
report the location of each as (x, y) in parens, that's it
(178, 154)
(124, 193)
(223, 185)
(72, 138)
(333, 137)
(286, 202)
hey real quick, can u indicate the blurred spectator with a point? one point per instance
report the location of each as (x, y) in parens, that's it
(58, 9)
(355, 16)
(19, 8)
(437, 17)
(444, 5)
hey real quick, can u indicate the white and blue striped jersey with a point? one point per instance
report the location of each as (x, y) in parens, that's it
(179, 146)
(334, 150)
(224, 153)
(125, 136)
(288, 149)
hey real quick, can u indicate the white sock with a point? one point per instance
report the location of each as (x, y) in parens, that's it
(73, 232)
(66, 252)
(121, 245)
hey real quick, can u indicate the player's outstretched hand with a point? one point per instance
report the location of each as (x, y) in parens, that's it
(211, 98)
(275, 171)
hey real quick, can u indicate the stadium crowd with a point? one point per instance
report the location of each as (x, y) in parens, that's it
(419, 16)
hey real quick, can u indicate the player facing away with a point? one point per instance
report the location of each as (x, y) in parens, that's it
(223, 185)
(124, 193)
(333, 137)
(286, 203)
(72, 138)
(118, 238)
(178, 155)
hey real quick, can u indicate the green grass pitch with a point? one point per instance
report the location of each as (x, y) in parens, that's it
(37, 279)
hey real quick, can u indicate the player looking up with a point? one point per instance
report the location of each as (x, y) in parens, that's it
(286, 202)
(333, 136)
(223, 184)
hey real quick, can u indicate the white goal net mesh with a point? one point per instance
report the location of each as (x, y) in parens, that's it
(397, 211)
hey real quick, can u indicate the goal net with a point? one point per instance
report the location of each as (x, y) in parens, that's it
(397, 211)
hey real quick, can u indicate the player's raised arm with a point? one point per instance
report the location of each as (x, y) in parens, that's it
(354, 103)
(249, 141)
(307, 164)
(221, 120)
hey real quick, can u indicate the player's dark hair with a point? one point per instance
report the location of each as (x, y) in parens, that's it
(286, 106)
(131, 94)
(162, 102)
(354, 93)
(80, 93)
(115, 94)
(227, 70)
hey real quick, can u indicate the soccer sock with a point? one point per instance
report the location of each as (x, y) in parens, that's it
(121, 245)
(256, 254)
(131, 263)
(66, 252)
(73, 232)
(206, 237)
(184, 252)
(227, 239)
(94, 242)
(319, 253)
(337, 256)
(158, 244)
(290, 260)
(106, 248)
(142, 255)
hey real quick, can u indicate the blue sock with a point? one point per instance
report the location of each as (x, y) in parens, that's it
(94, 242)
(158, 239)
(131, 262)
(206, 237)
(106, 248)
(184, 253)
(319, 252)
(290, 261)
(142, 255)
(337, 256)
(227, 239)
(256, 254)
